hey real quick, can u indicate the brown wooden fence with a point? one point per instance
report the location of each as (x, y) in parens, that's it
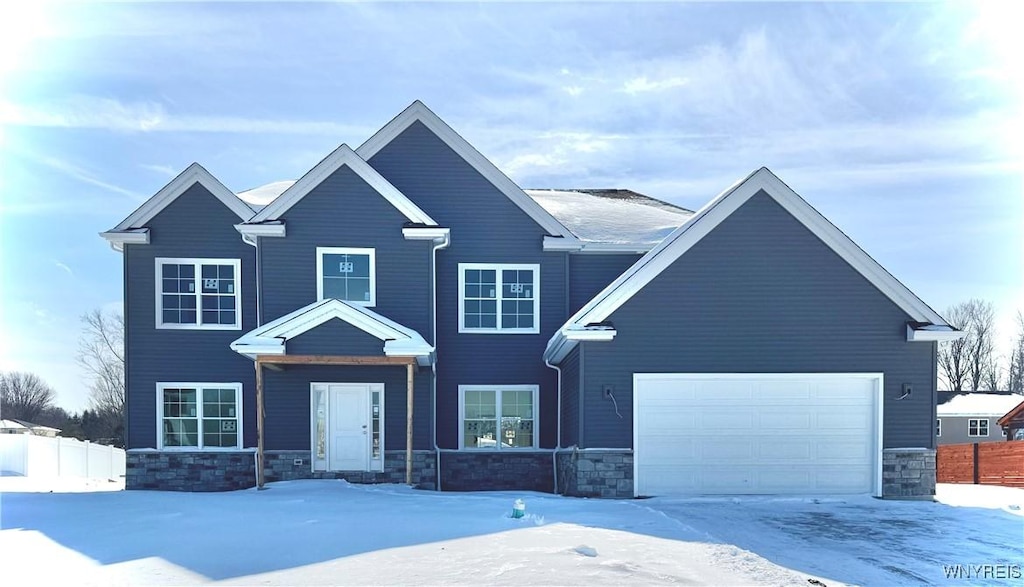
(986, 463)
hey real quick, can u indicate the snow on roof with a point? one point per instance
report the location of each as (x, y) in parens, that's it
(593, 215)
(980, 404)
(611, 216)
(259, 197)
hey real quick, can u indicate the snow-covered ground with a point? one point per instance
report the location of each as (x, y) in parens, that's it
(330, 532)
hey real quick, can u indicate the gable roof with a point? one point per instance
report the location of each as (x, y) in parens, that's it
(979, 404)
(1014, 416)
(597, 310)
(271, 338)
(193, 174)
(613, 216)
(342, 156)
(418, 112)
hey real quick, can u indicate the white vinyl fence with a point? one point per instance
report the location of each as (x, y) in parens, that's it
(39, 456)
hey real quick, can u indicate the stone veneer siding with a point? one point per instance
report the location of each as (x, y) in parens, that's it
(496, 470)
(280, 466)
(228, 471)
(908, 473)
(595, 473)
(190, 471)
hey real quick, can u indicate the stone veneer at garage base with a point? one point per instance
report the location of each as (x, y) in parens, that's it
(906, 472)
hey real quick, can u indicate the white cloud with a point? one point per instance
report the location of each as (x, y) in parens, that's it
(160, 169)
(90, 112)
(64, 268)
(642, 84)
(83, 175)
(573, 90)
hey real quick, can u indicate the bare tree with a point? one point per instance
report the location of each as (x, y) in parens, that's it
(1015, 373)
(992, 376)
(981, 327)
(24, 396)
(954, 355)
(101, 354)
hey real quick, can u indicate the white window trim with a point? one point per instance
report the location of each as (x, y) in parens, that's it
(498, 268)
(977, 425)
(160, 387)
(197, 262)
(372, 253)
(499, 388)
(938, 427)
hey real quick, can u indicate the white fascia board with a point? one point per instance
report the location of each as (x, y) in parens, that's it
(717, 210)
(193, 174)
(135, 236)
(920, 335)
(418, 111)
(402, 340)
(426, 233)
(342, 156)
(275, 229)
(602, 335)
(560, 243)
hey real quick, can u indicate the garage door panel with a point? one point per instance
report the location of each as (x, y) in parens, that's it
(757, 434)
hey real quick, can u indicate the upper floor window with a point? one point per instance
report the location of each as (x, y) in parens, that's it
(198, 294)
(977, 427)
(199, 415)
(346, 274)
(499, 298)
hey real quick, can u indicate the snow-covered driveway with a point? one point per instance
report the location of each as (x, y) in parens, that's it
(329, 532)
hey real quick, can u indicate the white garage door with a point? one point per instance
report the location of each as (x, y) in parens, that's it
(756, 434)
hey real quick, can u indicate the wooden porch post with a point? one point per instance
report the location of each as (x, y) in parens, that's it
(259, 424)
(408, 423)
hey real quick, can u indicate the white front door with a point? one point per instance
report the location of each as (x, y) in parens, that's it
(349, 425)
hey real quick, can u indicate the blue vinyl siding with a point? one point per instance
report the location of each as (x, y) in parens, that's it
(344, 211)
(288, 410)
(195, 225)
(336, 337)
(571, 398)
(486, 227)
(589, 274)
(760, 293)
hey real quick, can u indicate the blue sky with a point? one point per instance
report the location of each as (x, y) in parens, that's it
(901, 123)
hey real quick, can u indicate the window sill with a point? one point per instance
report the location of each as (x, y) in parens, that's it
(199, 327)
(498, 331)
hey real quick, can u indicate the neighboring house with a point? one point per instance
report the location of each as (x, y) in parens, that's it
(405, 312)
(972, 417)
(10, 426)
(1012, 422)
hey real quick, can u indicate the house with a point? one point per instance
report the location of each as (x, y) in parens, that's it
(10, 426)
(972, 417)
(1012, 422)
(404, 312)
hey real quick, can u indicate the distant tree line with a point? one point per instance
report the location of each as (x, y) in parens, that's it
(25, 396)
(971, 363)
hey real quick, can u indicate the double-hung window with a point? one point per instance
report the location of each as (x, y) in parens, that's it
(198, 294)
(346, 274)
(938, 427)
(199, 415)
(499, 298)
(977, 427)
(498, 416)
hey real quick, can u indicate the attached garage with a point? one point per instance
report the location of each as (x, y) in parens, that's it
(749, 434)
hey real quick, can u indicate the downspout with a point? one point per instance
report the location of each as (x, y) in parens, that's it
(254, 242)
(558, 370)
(558, 428)
(438, 245)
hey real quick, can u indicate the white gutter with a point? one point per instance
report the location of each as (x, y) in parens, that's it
(441, 243)
(558, 427)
